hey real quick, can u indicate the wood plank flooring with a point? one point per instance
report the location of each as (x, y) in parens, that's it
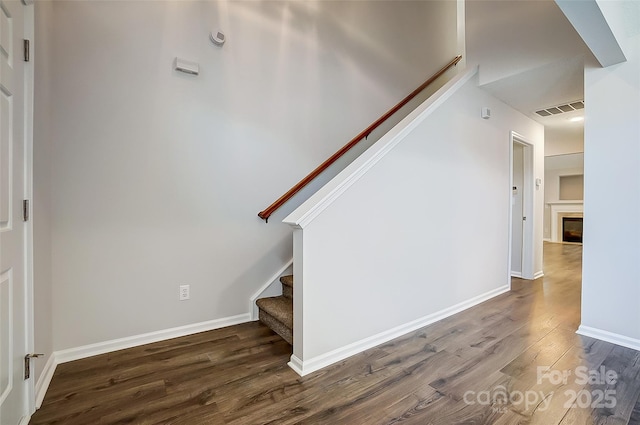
(477, 367)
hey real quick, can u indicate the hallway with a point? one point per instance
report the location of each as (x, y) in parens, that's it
(512, 360)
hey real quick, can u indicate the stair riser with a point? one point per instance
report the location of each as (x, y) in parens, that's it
(287, 291)
(276, 326)
(287, 286)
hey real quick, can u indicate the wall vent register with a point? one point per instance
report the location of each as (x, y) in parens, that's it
(561, 109)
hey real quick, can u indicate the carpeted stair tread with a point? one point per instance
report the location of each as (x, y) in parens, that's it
(287, 280)
(287, 286)
(277, 312)
(280, 308)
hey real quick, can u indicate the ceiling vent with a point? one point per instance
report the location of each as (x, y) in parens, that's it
(561, 109)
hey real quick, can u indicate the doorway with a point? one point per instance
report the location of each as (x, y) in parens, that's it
(521, 208)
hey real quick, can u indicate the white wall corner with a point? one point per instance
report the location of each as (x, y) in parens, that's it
(271, 288)
(297, 365)
(611, 337)
(298, 293)
(462, 24)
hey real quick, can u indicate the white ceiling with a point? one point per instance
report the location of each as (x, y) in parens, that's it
(550, 85)
(531, 58)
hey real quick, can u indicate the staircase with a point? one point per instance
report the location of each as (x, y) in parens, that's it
(277, 312)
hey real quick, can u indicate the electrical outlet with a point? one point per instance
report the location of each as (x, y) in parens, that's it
(184, 292)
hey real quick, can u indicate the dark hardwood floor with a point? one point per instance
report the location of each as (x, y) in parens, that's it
(478, 367)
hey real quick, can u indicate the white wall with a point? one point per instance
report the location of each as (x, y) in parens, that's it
(530, 34)
(563, 140)
(157, 177)
(610, 290)
(41, 205)
(425, 229)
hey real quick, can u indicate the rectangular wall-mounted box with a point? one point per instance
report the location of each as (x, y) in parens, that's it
(185, 66)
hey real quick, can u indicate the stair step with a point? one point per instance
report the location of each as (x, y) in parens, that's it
(277, 314)
(279, 307)
(287, 286)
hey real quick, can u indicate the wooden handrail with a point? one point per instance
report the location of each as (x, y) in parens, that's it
(333, 158)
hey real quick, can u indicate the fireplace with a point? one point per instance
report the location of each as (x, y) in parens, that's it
(572, 229)
(557, 211)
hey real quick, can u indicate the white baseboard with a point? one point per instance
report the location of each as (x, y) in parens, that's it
(82, 352)
(305, 367)
(77, 353)
(611, 337)
(296, 364)
(42, 385)
(535, 276)
(275, 279)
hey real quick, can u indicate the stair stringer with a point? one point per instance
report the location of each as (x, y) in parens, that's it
(271, 288)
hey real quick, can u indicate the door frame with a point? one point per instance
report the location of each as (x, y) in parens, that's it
(29, 307)
(528, 194)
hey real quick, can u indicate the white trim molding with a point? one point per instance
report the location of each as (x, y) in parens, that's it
(611, 337)
(77, 353)
(528, 206)
(537, 275)
(305, 367)
(85, 351)
(297, 365)
(42, 385)
(275, 279)
(561, 209)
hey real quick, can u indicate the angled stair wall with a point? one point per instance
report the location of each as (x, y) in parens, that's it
(414, 230)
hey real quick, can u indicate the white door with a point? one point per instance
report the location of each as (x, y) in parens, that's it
(13, 282)
(517, 203)
(521, 237)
